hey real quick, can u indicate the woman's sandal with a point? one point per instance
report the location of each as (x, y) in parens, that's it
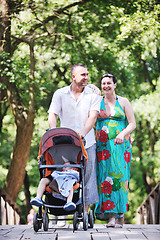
(119, 221)
(111, 222)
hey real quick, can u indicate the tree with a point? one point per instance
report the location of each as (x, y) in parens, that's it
(23, 114)
(23, 119)
(140, 37)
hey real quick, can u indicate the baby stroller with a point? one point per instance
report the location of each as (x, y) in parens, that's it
(57, 146)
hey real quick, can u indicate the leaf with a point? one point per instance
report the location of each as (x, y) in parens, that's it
(118, 176)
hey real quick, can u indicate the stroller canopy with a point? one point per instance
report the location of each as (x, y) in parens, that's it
(58, 137)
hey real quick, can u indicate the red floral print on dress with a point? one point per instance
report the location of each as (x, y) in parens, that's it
(127, 207)
(106, 206)
(103, 155)
(127, 156)
(103, 136)
(106, 187)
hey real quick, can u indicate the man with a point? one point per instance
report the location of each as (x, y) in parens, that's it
(77, 107)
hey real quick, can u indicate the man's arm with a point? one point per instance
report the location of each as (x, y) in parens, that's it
(52, 120)
(89, 123)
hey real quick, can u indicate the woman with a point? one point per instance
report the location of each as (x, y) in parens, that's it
(114, 151)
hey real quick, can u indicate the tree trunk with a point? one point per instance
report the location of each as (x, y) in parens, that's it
(27, 193)
(3, 106)
(5, 26)
(24, 118)
(19, 158)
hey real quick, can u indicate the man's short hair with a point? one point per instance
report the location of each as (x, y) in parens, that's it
(77, 65)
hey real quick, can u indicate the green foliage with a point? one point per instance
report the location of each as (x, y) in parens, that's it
(145, 109)
(5, 66)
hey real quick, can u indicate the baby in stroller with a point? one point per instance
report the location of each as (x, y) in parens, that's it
(64, 180)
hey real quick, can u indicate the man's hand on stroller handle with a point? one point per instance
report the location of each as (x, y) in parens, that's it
(83, 140)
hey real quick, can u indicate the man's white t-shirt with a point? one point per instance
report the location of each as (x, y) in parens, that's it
(73, 114)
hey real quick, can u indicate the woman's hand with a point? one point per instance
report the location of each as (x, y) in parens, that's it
(119, 139)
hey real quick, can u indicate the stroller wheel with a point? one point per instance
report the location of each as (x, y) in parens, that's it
(91, 219)
(39, 224)
(45, 222)
(85, 221)
(75, 221)
(36, 222)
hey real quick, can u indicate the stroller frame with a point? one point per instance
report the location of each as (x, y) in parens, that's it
(59, 139)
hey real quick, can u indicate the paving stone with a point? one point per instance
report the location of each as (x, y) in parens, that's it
(99, 232)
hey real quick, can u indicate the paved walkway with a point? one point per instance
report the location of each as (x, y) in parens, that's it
(99, 232)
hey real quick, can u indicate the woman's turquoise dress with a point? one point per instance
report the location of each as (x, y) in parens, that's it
(113, 163)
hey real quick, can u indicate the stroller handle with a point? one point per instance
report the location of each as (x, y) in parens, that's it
(83, 140)
(59, 166)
